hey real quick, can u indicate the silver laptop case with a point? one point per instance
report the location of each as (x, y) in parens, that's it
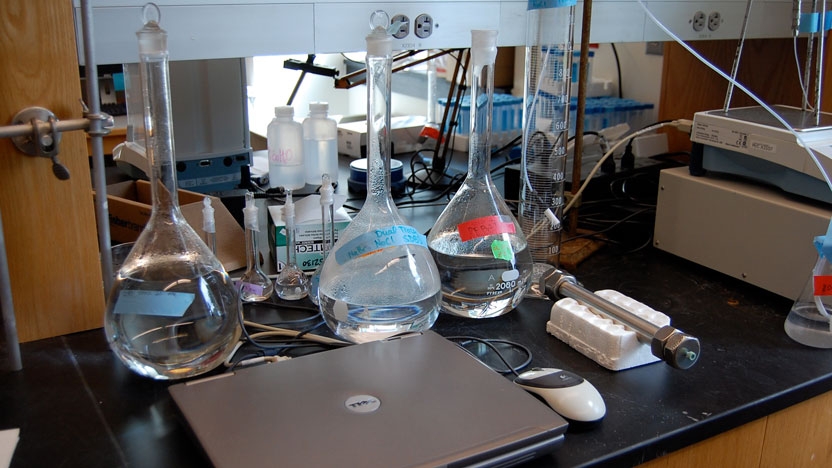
(417, 400)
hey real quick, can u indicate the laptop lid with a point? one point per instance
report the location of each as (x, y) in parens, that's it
(417, 400)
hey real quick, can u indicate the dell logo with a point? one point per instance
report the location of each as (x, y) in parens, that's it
(362, 403)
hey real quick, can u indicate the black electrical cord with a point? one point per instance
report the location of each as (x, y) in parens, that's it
(461, 341)
(618, 68)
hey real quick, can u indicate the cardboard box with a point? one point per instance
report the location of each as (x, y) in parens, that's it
(130, 205)
(308, 236)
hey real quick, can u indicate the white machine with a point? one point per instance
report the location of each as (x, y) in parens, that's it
(753, 199)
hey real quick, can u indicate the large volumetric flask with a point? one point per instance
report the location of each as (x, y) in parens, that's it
(482, 254)
(173, 310)
(549, 28)
(379, 279)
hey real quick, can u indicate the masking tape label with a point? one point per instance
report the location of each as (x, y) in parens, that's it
(377, 240)
(156, 303)
(485, 226)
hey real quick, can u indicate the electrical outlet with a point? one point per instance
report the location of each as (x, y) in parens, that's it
(404, 26)
(714, 20)
(423, 26)
(698, 21)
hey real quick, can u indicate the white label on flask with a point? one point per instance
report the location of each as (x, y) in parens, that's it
(156, 303)
(377, 240)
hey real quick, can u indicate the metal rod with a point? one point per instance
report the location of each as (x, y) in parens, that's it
(667, 343)
(807, 67)
(44, 128)
(7, 307)
(819, 63)
(578, 148)
(97, 133)
(737, 56)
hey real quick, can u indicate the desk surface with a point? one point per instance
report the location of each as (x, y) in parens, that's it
(76, 405)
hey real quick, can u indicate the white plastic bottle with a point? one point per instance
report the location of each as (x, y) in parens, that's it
(285, 142)
(320, 144)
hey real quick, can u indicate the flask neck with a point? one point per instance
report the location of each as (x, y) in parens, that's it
(482, 105)
(159, 134)
(378, 130)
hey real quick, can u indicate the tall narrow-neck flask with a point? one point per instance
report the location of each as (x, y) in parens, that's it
(173, 310)
(483, 258)
(380, 279)
(254, 285)
(549, 27)
(327, 233)
(291, 283)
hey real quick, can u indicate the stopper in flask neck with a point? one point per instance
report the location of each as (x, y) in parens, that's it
(483, 47)
(208, 223)
(327, 190)
(379, 41)
(153, 40)
(250, 213)
(289, 210)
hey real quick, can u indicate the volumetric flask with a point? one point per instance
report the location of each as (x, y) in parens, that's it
(483, 258)
(173, 310)
(549, 27)
(380, 279)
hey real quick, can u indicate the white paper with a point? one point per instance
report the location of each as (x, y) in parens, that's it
(8, 442)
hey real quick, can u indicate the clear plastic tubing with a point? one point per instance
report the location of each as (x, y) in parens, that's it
(380, 279)
(479, 248)
(549, 33)
(173, 311)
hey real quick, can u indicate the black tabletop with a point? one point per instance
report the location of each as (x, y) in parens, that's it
(76, 405)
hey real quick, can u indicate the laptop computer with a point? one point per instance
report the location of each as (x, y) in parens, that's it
(415, 400)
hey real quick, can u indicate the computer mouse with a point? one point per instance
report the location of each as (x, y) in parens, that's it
(570, 395)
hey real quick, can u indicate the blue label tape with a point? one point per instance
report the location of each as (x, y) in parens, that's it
(542, 4)
(156, 303)
(379, 239)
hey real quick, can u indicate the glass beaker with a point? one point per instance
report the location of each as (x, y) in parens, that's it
(810, 320)
(173, 310)
(549, 31)
(482, 255)
(380, 279)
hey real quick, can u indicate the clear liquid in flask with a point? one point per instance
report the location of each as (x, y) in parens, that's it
(178, 331)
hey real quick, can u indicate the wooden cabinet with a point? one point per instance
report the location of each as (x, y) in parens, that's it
(795, 437)
(49, 224)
